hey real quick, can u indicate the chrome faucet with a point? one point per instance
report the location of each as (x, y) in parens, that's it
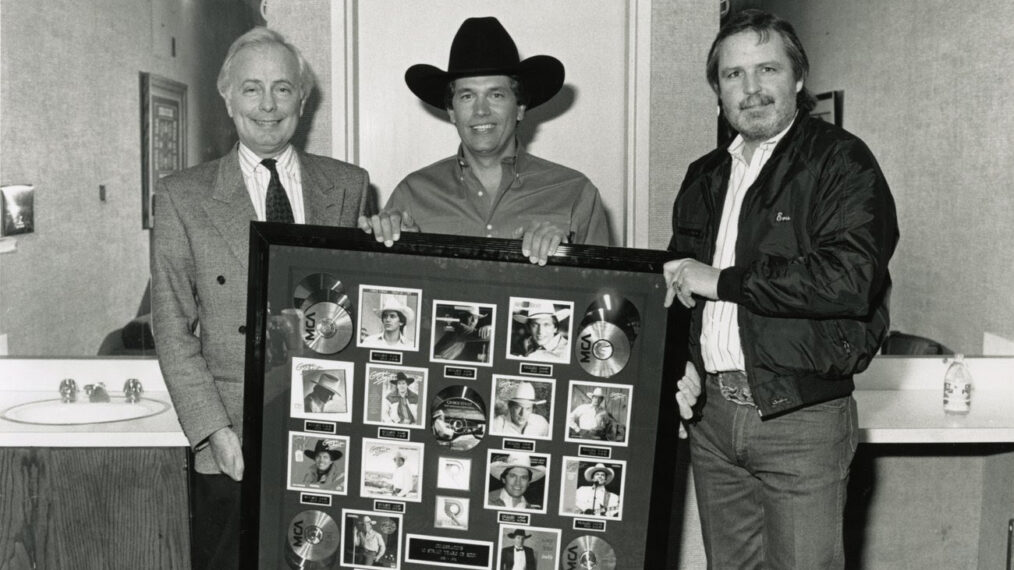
(132, 390)
(97, 392)
(68, 390)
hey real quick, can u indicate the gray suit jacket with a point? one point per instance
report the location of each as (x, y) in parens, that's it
(199, 256)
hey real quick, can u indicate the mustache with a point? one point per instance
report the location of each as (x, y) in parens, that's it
(755, 101)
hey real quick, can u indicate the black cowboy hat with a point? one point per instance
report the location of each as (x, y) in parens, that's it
(331, 446)
(483, 47)
(402, 377)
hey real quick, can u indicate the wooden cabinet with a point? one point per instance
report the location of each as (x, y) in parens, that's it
(101, 508)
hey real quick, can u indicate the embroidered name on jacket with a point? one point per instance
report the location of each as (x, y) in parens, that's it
(782, 218)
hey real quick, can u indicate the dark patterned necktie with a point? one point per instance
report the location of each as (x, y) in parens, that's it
(278, 207)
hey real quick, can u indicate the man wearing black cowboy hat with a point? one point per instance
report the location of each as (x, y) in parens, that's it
(400, 406)
(324, 473)
(517, 555)
(492, 187)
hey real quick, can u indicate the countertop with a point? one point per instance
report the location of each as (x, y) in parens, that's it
(900, 400)
(25, 380)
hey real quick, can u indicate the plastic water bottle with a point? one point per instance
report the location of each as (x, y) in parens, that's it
(957, 387)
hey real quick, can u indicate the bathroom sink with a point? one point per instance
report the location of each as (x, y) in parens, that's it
(56, 412)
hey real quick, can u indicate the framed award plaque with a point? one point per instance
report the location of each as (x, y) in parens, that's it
(444, 403)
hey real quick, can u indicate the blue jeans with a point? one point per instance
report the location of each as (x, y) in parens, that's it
(771, 493)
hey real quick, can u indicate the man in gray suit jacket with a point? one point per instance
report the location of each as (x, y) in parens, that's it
(199, 265)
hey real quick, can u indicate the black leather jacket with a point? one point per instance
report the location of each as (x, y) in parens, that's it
(816, 232)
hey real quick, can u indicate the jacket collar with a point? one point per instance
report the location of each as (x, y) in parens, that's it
(231, 211)
(723, 157)
(320, 197)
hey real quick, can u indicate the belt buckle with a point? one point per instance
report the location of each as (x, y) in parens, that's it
(738, 393)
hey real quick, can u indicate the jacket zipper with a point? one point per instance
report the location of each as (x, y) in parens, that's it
(845, 344)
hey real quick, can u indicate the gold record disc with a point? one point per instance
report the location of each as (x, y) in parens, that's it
(602, 349)
(320, 288)
(606, 336)
(327, 327)
(589, 553)
(313, 536)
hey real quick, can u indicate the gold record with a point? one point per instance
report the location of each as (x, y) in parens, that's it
(589, 553)
(603, 349)
(607, 333)
(313, 536)
(326, 328)
(320, 288)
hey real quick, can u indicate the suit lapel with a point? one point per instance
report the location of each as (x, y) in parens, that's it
(230, 209)
(321, 202)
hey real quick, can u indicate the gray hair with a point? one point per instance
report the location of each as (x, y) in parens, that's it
(260, 36)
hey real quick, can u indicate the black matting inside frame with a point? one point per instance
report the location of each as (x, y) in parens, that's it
(297, 515)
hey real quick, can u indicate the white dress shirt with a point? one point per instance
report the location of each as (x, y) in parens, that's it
(720, 345)
(519, 559)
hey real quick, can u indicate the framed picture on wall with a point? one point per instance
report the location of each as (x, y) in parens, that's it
(829, 107)
(466, 447)
(163, 135)
(17, 209)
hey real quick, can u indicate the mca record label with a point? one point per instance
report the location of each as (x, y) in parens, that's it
(606, 335)
(589, 553)
(327, 327)
(312, 536)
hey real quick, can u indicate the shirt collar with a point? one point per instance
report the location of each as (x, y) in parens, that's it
(736, 148)
(249, 161)
(511, 501)
(517, 162)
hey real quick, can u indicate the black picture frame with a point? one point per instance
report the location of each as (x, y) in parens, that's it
(284, 258)
(829, 107)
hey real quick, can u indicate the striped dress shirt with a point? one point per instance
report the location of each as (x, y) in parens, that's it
(720, 344)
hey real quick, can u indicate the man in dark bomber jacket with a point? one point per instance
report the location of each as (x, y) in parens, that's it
(785, 236)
